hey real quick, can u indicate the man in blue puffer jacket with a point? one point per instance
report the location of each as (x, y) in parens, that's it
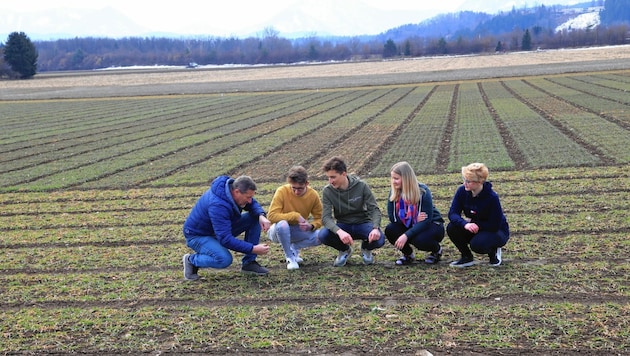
(223, 212)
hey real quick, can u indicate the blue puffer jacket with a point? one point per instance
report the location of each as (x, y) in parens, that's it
(215, 212)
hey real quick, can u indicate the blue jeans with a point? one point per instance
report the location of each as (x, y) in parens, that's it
(211, 254)
(357, 231)
(291, 235)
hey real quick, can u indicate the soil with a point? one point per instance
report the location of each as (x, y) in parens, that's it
(330, 75)
(162, 81)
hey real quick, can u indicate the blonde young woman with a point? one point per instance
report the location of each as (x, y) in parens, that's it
(476, 218)
(413, 219)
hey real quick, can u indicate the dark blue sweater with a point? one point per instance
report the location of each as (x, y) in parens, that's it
(484, 209)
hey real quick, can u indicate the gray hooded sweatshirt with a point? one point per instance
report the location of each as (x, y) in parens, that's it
(354, 205)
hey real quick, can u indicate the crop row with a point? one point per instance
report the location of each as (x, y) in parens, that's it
(540, 328)
(603, 136)
(170, 141)
(84, 269)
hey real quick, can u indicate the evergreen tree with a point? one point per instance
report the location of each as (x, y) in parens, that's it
(20, 54)
(499, 47)
(407, 51)
(441, 46)
(526, 43)
(389, 50)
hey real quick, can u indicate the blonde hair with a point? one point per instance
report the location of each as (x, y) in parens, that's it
(410, 191)
(475, 172)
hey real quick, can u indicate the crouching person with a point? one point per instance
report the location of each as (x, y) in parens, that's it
(296, 216)
(223, 212)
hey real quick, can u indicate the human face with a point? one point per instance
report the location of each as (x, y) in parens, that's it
(396, 180)
(242, 199)
(470, 184)
(298, 189)
(337, 180)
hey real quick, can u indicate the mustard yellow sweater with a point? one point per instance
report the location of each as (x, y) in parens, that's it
(287, 206)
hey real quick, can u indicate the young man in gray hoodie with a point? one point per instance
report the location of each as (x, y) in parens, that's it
(356, 214)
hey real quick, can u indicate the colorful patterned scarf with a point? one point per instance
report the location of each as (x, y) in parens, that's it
(408, 213)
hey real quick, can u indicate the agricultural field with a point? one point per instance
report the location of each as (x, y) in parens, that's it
(96, 181)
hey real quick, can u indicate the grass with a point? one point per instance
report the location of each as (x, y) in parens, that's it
(96, 267)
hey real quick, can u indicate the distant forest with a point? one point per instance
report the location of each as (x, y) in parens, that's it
(451, 34)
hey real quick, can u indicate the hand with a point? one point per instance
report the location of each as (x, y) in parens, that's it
(422, 216)
(304, 224)
(344, 237)
(401, 241)
(260, 249)
(472, 227)
(374, 235)
(264, 223)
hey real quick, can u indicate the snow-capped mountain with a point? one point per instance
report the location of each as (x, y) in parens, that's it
(582, 21)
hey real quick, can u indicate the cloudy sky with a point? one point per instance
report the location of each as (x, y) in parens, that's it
(242, 17)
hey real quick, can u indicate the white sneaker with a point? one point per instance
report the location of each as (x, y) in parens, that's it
(292, 264)
(368, 257)
(296, 254)
(272, 234)
(341, 260)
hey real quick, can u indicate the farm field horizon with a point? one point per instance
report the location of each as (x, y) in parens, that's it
(95, 188)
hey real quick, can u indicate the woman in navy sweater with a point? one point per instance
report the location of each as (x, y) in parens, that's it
(477, 221)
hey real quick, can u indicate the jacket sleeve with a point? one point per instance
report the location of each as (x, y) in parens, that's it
(491, 217)
(390, 210)
(426, 206)
(255, 208)
(373, 210)
(222, 223)
(457, 206)
(327, 212)
(316, 211)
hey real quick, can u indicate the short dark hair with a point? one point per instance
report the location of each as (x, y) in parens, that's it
(297, 174)
(336, 163)
(244, 184)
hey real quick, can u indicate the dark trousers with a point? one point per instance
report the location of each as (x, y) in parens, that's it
(483, 242)
(357, 231)
(427, 240)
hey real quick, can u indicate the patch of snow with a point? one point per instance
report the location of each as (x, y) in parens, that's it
(580, 22)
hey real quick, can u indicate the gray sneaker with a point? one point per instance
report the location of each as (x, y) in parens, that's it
(368, 257)
(341, 260)
(254, 268)
(190, 271)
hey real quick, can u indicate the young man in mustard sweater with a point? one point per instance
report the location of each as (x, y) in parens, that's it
(296, 216)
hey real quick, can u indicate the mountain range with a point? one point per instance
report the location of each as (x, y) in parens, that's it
(303, 19)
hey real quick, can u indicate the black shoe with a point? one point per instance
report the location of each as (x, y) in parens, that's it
(254, 268)
(465, 261)
(434, 257)
(406, 260)
(495, 258)
(190, 271)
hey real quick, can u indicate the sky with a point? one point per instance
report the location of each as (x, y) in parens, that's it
(242, 17)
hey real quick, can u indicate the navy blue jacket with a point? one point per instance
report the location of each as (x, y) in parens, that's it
(484, 210)
(215, 212)
(425, 204)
